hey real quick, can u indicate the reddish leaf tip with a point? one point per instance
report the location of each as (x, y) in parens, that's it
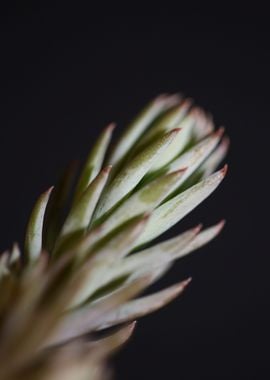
(146, 216)
(225, 142)
(220, 132)
(110, 127)
(221, 224)
(198, 228)
(107, 169)
(224, 170)
(179, 171)
(186, 282)
(175, 131)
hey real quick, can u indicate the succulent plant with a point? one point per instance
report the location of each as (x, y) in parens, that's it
(71, 296)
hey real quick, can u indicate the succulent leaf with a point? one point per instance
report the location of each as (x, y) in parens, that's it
(84, 265)
(33, 237)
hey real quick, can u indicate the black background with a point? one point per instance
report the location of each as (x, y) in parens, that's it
(64, 75)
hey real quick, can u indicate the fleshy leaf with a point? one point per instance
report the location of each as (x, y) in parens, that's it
(81, 213)
(143, 200)
(55, 211)
(94, 161)
(204, 124)
(110, 249)
(178, 145)
(166, 122)
(139, 125)
(78, 323)
(169, 213)
(203, 238)
(81, 321)
(132, 173)
(216, 157)
(33, 238)
(161, 253)
(194, 157)
(142, 306)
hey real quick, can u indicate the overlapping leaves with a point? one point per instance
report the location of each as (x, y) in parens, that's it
(81, 272)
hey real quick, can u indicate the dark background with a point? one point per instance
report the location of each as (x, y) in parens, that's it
(65, 74)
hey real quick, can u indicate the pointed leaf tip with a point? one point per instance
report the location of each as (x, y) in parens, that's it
(220, 132)
(224, 170)
(110, 127)
(33, 238)
(198, 228)
(185, 283)
(107, 169)
(132, 173)
(221, 225)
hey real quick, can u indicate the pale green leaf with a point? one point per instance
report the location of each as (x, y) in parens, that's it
(166, 122)
(202, 238)
(143, 200)
(81, 321)
(94, 161)
(33, 238)
(204, 124)
(55, 211)
(77, 323)
(141, 306)
(152, 257)
(178, 145)
(81, 213)
(4, 258)
(194, 157)
(169, 213)
(216, 157)
(132, 173)
(139, 125)
(111, 249)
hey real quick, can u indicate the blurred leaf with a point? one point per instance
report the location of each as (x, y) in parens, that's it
(144, 200)
(33, 238)
(81, 213)
(142, 306)
(57, 204)
(111, 249)
(132, 173)
(94, 161)
(203, 238)
(216, 157)
(84, 320)
(169, 213)
(139, 125)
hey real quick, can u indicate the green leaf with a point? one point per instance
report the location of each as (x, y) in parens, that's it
(216, 157)
(132, 173)
(33, 238)
(94, 161)
(204, 124)
(178, 145)
(165, 123)
(55, 211)
(193, 158)
(143, 200)
(81, 213)
(141, 306)
(4, 270)
(155, 256)
(81, 321)
(203, 238)
(110, 249)
(169, 213)
(86, 319)
(15, 254)
(139, 125)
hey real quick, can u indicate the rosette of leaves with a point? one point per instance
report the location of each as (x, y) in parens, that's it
(71, 296)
